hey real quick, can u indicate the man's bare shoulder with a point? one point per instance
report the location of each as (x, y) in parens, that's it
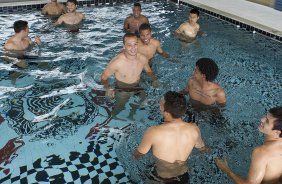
(10, 44)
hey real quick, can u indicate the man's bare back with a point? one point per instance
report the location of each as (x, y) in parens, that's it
(209, 94)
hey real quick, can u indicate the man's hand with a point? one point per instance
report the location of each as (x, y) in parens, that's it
(110, 92)
(155, 83)
(37, 40)
(222, 164)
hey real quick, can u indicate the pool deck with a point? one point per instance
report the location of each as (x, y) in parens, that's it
(259, 16)
(256, 15)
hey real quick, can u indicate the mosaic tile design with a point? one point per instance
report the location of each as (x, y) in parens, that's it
(94, 162)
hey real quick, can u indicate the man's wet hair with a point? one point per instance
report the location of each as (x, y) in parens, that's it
(72, 1)
(276, 112)
(128, 35)
(195, 11)
(20, 25)
(175, 104)
(207, 67)
(137, 4)
(144, 26)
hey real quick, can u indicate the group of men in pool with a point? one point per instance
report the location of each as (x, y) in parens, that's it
(171, 142)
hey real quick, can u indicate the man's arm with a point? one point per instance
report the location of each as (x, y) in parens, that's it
(151, 74)
(145, 144)
(256, 172)
(220, 97)
(126, 25)
(110, 70)
(200, 143)
(59, 21)
(161, 51)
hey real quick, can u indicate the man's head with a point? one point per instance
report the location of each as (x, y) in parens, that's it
(71, 5)
(272, 122)
(173, 103)
(145, 32)
(20, 25)
(136, 10)
(130, 44)
(194, 15)
(206, 67)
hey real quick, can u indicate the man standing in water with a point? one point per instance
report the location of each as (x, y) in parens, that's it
(147, 45)
(188, 30)
(71, 18)
(53, 9)
(266, 160)
(201, 87)
(127, 68)
(21, 41)
(133, 22)
(171, 142)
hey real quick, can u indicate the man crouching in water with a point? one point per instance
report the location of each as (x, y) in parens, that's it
(171, 142)
(71, 19)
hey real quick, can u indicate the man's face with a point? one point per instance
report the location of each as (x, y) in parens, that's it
(136, 11)
(26, 31)
(145, 36)
(130, 45)
(267, 124)
(193, 18)
(71, 7)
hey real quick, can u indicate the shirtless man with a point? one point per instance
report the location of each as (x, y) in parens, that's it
(132, 23)
(171, 142)
(147, 45)
(20, 41)
(188, 30)
(266, 160)
(53, 9)
(71, 18)
(201, 88)
(127, 68)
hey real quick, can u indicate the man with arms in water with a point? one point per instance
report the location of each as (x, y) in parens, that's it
(71, 18)
(127, 68)
(201, 87)
(188, 30)
(53, 9)
(147, 45)
(20, 41)
(266, 160)
(133, 22)
(171, 142)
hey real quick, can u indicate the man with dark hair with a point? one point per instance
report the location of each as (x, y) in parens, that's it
(266, 160)
(71, 18)
(132, 23)
(171, 142)
(127, 67)
(147, 45)
(188, 30)
(201, 87)
(53, 9)
(21, 41)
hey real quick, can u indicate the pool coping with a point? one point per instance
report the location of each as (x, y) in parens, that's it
(246, 24)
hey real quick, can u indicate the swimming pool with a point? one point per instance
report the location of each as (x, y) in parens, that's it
(57, 128)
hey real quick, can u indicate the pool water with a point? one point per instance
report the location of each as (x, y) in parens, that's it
(57, 127)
